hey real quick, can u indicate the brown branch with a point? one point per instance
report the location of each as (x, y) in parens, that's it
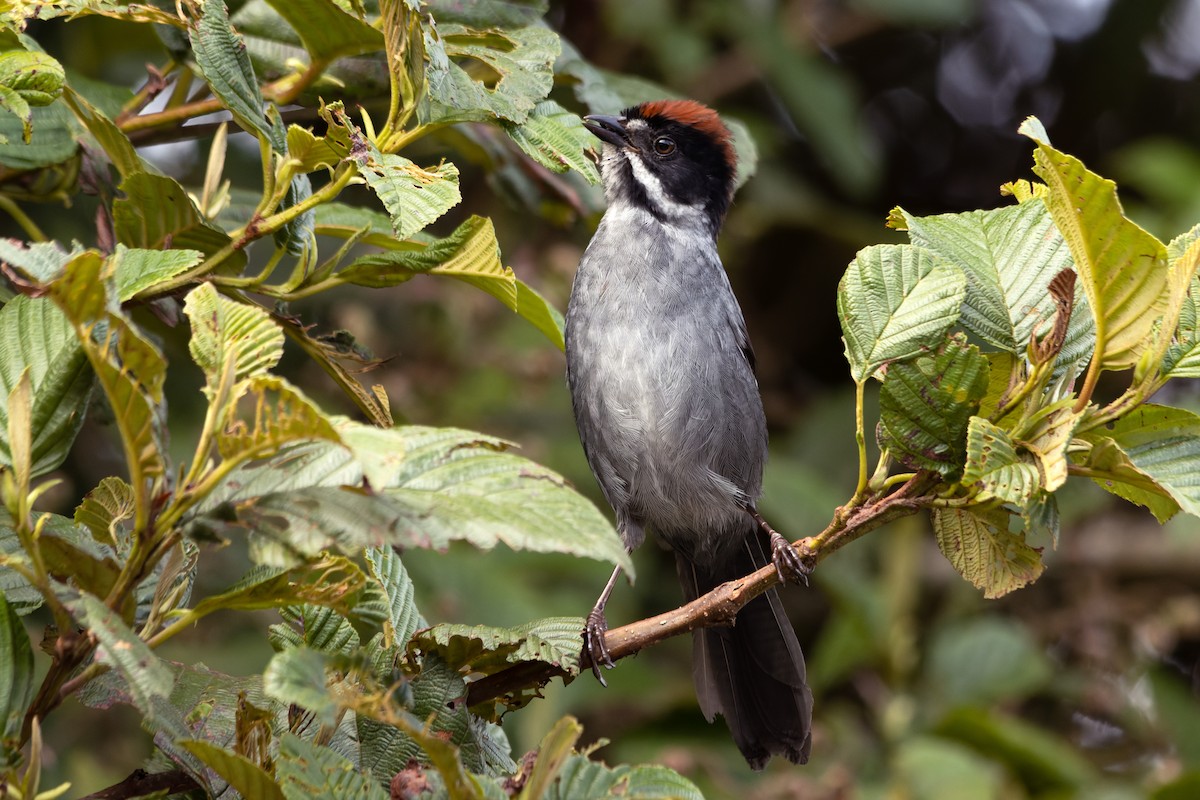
(142, 783)
(720, 606)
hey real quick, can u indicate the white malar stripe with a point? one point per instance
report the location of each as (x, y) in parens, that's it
(657, 194)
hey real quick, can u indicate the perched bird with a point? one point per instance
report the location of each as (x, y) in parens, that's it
(662, 382)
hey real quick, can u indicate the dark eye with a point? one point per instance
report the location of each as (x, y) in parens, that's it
(664, 146)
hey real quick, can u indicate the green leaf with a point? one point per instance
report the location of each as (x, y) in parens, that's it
(35, 337)
(327, 31)
(249, 779)
(1181, 358)
(581, 777)
(231, 340)
(414, 197)
(1177, 715)
(1112, 470)
(925, 404)
(156, 213)
(979, 545)
(221, 55)
(137, 270)
(144, 674)
(315, 627)
(29, 79)
(21, 595)
(41, 261)
(929, 768)
(1123, 268)
(53, 143)
(16, 676)
(472, 255)
(518, 72)
(333, 582)
(112, 139)
(556, 139)
(104, 508)
(296, 676)
(386, 567)
(460, 485)
(485, 650)
(130, 369)
(994, 469)
(283, 416)
(893, 302)
(1009, 256)
(310, 772)
(1163, 443)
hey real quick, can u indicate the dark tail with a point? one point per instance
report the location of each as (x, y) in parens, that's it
(752, 673)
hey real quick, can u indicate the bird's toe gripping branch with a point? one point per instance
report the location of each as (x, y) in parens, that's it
(790, 565)
(594, 645)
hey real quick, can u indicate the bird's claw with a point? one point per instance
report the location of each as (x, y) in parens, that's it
(595, 646)
(789, 564)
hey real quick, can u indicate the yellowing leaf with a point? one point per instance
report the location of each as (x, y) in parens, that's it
(981, 548)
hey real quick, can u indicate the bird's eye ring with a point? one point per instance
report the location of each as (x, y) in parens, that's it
(664, 146)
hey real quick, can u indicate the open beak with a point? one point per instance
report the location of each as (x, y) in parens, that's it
(608, 129)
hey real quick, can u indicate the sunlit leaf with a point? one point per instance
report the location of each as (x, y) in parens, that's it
(925, 404)
(556, 139)
(1163, 443)
(980, 546)
(136, 270)
(280, 415)
(326, 29)
(1046, 435)
(1123, 268)
(413, 196)
(1112, 470)
(893, 302)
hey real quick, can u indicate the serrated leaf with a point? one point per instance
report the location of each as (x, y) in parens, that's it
(1009, 256)
(980, 546)
(519, 64)
(231, 340)
(1046, 435)
(556, 139)
(460, 485)
(37, 339)
(104, 508)
(282, 415)
(16, 676)
(925, 404)
(156, 213)
(1182, 359)
(318, 628)
(404, 618)
(893, 302)
(414, 197)
(994, 469)
(249, 779)
(22, 596)
(1163, 443)
(581, 777)
(484, 649)
(1123, 268)
(225, 65)
(328, 31)
(42, 261)
(310, 772)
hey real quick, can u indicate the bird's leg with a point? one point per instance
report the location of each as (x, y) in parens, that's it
(595, 629)
(789, 564)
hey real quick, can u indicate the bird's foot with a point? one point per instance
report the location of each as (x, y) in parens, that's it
(594, 645)
(789, 564)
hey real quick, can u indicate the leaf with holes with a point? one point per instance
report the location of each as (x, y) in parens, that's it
(281, 415)
(413, 196)
(104, 509)
(1047, 435)
(517, 72)
(981, 548)
(994, 469)
(484, 649)
(925, 404)
(895, 301)
(231, 340)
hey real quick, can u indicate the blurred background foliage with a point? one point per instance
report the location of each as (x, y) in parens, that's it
(1083, 685)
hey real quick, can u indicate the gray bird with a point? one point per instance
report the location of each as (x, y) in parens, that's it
(662, 382)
